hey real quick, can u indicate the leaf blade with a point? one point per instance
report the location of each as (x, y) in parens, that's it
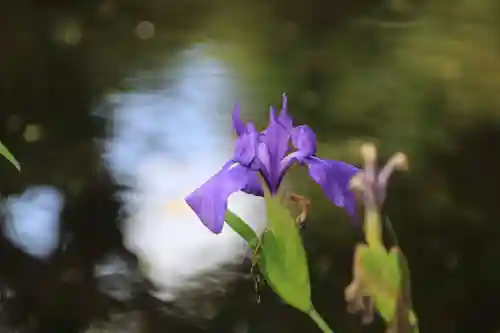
(242, 229)
(8, 155)
(383, 279)
(284, 260)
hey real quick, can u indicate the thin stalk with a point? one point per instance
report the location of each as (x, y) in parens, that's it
(319, 321)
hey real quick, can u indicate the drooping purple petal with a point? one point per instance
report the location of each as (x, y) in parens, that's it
(239, 125)
(254, 185)
(334, 178)
(209, 201)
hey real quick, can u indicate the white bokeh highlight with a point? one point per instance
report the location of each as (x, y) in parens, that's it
(166, 142)
(32, 222)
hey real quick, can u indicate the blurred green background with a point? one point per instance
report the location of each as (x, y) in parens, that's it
(414, 76)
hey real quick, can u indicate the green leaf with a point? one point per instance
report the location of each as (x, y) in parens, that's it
(382, 279)
(6, 153)
(242, 229)
(405, 280)
(405, 297)
(283, 259)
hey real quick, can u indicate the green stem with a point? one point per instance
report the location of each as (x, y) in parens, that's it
(319, 321)
(373, 229)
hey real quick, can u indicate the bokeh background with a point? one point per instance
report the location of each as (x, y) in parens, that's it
(101, 96)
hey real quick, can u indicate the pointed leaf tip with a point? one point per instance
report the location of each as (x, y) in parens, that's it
(8, 155)
(242, 229)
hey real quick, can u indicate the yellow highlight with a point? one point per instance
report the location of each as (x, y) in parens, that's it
(178, 207)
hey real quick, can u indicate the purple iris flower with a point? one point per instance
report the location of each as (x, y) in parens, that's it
(268, 153)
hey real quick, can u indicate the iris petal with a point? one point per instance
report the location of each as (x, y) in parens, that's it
(253, 185)
(239, 125)
(275, 139)
(284, 118)
(246, 146)
(334, 178)
(304, 140)
(209, 201)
